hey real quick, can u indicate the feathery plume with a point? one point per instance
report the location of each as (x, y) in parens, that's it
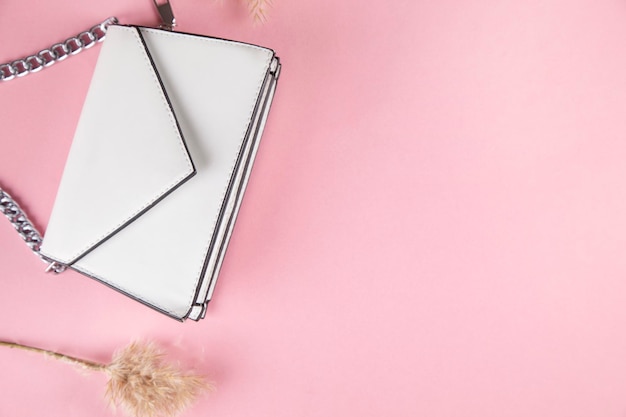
(140, 381)
(259, 9)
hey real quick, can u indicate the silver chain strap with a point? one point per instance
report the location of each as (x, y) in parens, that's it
(26, 229)
(56, 53)
(19, 68)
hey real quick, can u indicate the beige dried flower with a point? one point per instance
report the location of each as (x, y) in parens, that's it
(145, 385)
(140, 381)
(259, 9)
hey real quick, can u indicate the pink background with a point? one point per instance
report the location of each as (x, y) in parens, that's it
(435, 225)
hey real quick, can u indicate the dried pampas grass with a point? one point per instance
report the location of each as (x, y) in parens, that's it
(140, 381)
(145, 385)
(259, 9)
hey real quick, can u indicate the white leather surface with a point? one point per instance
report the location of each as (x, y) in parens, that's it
(235, 197)
(213, 86)
(127, 152)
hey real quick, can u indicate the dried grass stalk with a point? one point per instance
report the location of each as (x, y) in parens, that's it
(259, 9)
(140, 381)
(145, 385)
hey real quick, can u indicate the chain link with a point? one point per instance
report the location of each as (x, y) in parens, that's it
(56, 53)
(26, 229)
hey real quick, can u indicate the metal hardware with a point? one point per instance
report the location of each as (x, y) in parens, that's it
(56, 53)
(167, 15)
(26, 230)
(47, 56)
(54, 267)
(275, 67)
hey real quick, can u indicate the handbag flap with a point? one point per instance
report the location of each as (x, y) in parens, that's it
(127, 155)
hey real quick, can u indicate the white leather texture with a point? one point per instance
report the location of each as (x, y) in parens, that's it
(149, 193)
(127, 152)
(242, 175)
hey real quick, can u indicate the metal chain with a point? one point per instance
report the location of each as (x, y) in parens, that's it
(26, 229)
(56, 53)
(19, 68)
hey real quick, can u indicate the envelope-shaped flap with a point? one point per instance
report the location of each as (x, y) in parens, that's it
(128, 152)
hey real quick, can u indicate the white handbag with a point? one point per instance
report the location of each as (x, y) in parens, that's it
(159, 163)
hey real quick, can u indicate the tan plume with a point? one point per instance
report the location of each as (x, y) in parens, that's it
(140, 381)
(259, 9)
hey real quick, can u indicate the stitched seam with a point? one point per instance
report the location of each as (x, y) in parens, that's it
(232, 168)
(182, 147)
(243, 134)
(203, 39)
(124, 289)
